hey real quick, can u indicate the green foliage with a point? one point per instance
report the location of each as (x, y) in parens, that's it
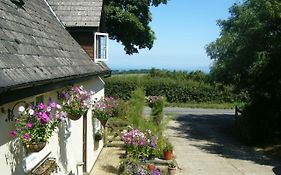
(176, 87)
(135, 107)
(160, 146)
(128, 22)
(157, 111)
(247, 54)
(259, 121)
(249, 45)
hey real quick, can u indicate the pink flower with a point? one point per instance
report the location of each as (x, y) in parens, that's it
(41, 106)
(45, 118)
(29, 125)
(13, 133)
(26, 136)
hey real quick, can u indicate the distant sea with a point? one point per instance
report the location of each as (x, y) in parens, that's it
(188, 69)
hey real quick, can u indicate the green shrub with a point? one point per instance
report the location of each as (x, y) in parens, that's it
(176, 90)
(260, 121)
(157, 104)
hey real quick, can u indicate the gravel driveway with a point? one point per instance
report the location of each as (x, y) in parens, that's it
(205, 143)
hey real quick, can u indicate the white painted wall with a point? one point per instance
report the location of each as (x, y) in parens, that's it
(66, 144)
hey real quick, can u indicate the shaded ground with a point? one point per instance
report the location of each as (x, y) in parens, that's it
(205, 143)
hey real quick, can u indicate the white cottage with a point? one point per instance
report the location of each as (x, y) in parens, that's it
(46, 46)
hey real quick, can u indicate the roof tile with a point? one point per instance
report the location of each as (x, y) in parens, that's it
(34, 46)
(72, 12)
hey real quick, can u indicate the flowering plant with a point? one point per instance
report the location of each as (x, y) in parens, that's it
(129, 166)
(36, 123)
(140, 145)
(105, 108)
(76, 101)
(152, 100)
(134, 137)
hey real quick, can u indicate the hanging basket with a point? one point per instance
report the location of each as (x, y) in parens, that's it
(103, 122)
(74, 117)
(34, 147)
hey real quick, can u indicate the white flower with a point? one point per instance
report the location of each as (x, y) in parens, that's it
(30, 111)
(58, 106)
(21, 108)
(49, 108)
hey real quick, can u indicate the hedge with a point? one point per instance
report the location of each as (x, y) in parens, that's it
(178, 91)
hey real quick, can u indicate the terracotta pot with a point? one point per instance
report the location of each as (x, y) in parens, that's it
(150, 167)
(172, 171)
(35, 147)
(168, 155)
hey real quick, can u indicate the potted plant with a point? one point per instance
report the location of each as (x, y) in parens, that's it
(150, 167)
(168, 151)
(36, 124)
(172, 167)
(98, 135)
(104, 109)
(76, 101)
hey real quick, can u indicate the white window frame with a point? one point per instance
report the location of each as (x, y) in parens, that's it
(97, 34)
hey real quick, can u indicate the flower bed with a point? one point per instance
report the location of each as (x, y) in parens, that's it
(140, 147)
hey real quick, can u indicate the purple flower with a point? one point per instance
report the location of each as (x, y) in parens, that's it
(156, 171)
(29, 125)
(53, 104)
(13, 133)
(41, 106)
(26, 136)
(45, 118)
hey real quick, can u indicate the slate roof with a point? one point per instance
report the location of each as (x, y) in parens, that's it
(35, 47)
(78, 13)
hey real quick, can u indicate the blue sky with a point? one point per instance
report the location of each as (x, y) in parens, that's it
(183, 28)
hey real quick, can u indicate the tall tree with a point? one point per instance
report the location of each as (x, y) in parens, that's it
(248, 54)
(248, 50)
(127, 21)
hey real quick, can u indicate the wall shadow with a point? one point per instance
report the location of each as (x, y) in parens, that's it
(216, 134)
(63, 134)
(15, 157)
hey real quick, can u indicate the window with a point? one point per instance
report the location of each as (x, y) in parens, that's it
(100, 47)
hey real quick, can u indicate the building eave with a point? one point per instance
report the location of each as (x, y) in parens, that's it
(17, 92)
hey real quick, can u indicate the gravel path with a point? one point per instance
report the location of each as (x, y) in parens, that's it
(205, 143)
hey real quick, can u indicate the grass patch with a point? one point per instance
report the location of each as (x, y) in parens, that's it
(206, 105)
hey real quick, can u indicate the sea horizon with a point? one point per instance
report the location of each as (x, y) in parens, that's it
(188, 69)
